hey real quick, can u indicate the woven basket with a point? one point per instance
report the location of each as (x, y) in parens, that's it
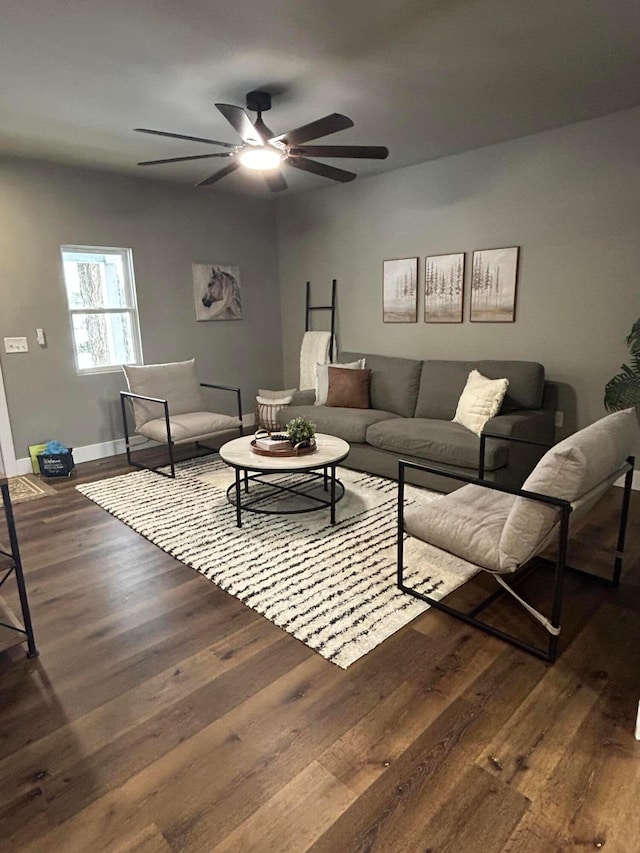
(267, 415)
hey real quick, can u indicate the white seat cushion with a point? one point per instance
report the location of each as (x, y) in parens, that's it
(189, 427)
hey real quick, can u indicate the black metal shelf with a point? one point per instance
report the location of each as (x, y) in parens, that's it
(11, 566)
(309, 308)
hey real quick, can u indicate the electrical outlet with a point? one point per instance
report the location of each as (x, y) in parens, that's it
(559, 419)
(16, 345)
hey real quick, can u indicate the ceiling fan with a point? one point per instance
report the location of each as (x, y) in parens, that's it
(262, 150)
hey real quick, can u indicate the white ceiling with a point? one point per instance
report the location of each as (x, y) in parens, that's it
(426, 78)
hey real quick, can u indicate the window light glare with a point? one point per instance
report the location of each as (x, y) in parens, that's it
(261, 158)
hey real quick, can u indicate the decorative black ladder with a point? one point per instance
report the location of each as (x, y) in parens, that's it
(11, 563)
(332, 308)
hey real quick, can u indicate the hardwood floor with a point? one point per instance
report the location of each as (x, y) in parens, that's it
(163, 715)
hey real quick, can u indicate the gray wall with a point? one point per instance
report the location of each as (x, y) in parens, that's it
(569, 197)
(43, 206)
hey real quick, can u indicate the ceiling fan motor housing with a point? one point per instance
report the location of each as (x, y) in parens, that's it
(258, 102)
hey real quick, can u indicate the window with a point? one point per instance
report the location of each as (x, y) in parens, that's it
(102, 305)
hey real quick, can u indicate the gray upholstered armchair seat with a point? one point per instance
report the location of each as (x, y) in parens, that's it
(191, 426)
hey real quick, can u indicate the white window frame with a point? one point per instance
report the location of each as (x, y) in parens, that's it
(131, 307)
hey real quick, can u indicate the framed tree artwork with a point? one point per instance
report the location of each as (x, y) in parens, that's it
(400, 290)
(443, 288)
(493, 285)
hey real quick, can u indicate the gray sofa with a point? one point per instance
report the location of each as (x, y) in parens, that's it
(413, 403)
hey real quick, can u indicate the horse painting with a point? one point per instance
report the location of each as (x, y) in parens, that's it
(218, 292)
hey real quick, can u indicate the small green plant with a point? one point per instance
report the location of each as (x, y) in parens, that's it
(623, 390)
(300, 431)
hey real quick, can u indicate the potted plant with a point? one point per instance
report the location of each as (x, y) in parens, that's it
(301, 432)
(623, 390)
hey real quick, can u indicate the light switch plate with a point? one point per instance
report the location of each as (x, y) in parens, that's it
(16, 345)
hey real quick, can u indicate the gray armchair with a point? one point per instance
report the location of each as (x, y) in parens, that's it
(501, 530)
(169, 408)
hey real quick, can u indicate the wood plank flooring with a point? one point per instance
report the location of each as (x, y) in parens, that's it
(162, 715)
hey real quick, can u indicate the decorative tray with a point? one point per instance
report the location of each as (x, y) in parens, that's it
(281, 454)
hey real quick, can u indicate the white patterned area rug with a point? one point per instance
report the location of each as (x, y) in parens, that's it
(332, 587)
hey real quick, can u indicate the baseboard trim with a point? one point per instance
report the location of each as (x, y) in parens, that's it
(635, 483)
(89, 452)
(112, 448)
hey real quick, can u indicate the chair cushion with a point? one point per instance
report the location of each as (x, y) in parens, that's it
(348, 388)
(175, 382)
(570, 470)
(188, 427)
(480, 401)
(467, 523)
(435, 441)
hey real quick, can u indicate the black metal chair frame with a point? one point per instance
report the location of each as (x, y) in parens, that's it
(564, 508)
(129, 395)
(15, 567)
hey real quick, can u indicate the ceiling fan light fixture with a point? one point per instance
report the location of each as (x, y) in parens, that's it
(261, 158)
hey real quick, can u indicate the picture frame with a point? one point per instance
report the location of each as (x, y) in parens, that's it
(444, 288)
(494, 279)
(400, 290)
(217, 293)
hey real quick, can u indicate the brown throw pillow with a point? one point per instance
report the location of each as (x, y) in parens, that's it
(348, 388)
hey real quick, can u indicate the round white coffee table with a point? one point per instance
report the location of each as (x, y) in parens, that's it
(317, 469)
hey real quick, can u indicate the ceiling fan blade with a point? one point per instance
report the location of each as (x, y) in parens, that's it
(181, 159)
(275, 180)
(321, 127)
(373, 152)
(241, 122)
(182, 136)
(321, 169)
(231, 167)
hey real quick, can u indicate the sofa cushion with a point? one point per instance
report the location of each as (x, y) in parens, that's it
(442, 383)
(348, 388)
(526, 382)
(175, 382)
(571, 469)
(435, 441)
(348, 424)
(394, 382)
(480, 401)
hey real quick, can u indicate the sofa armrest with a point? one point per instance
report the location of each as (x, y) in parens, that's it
(534, 424)
(306, 397)
(529, 432)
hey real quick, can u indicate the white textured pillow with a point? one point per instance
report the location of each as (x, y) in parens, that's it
(322, 378)
(273, 401)
(276, 395)
(480, 401)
